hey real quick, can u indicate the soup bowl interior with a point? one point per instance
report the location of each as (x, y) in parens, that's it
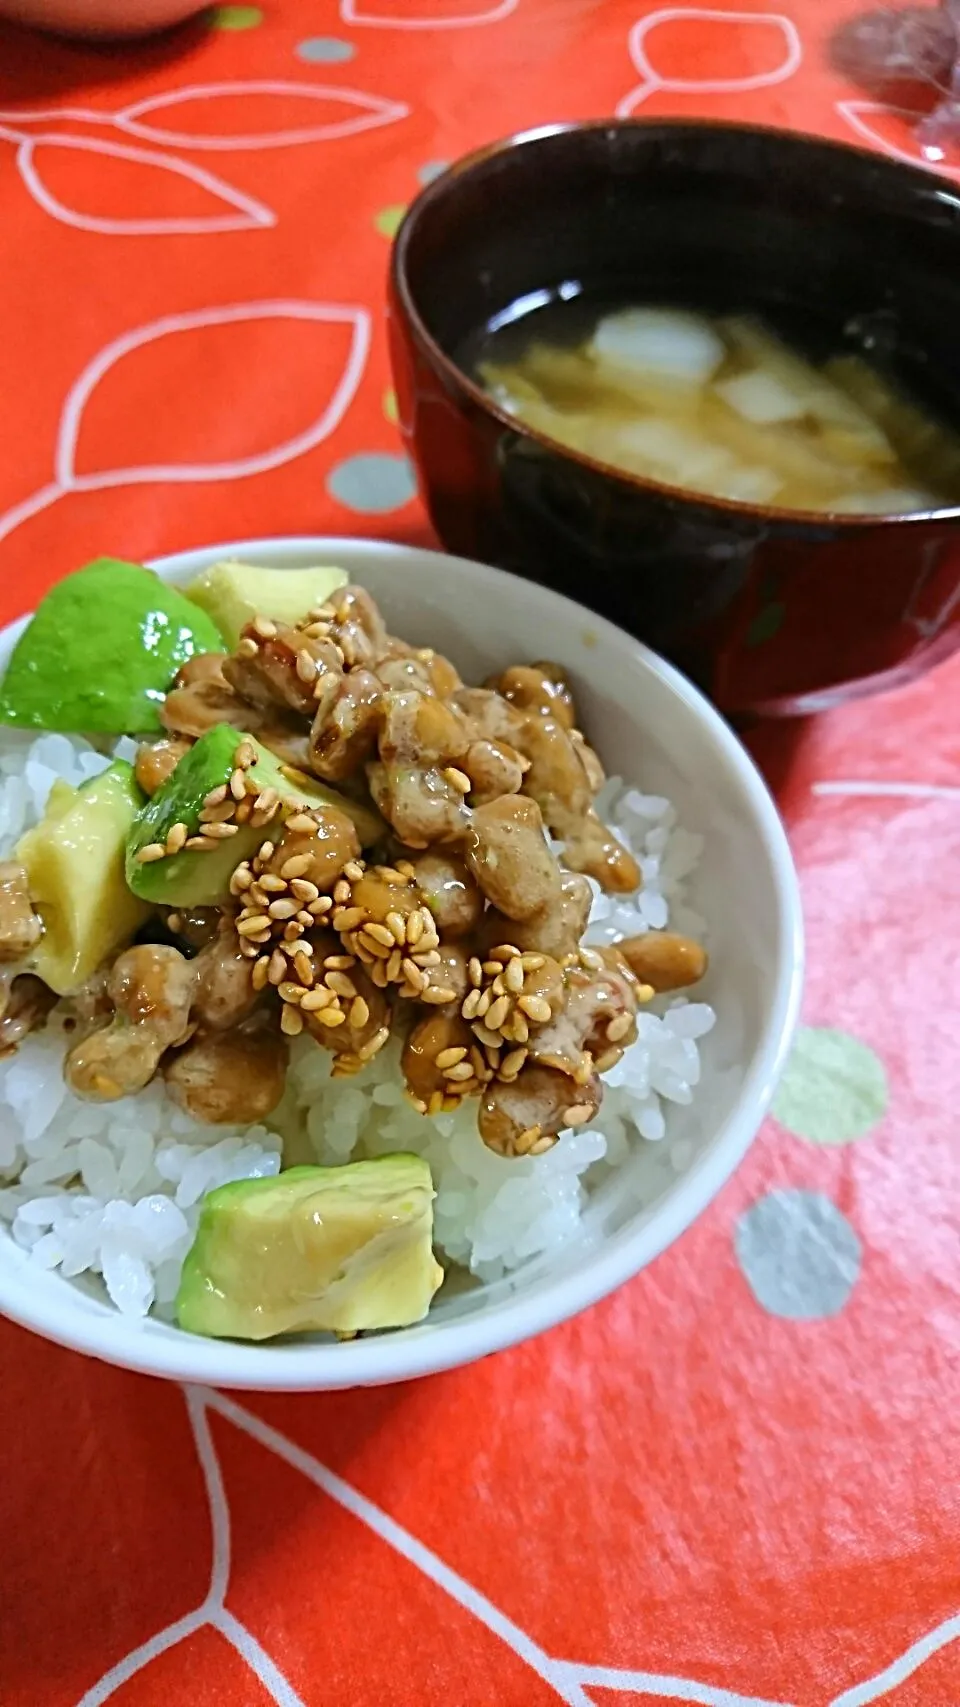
(650, 726)
(839, 251)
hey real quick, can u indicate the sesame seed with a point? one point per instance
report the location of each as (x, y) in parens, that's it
(301, 823)
(266, 629)
(290, 992)
(353, 870)
(542, 1145)
(267, 802)
(247, 647)
(457, 779)
(375, 1044)
(282, 909)
(537, 1009)
(314, 1000)
(216, 797)
(619, 1027)
(483, 1003)
(591, 960)
(277, 968)
(513, 976)
(471, 1005)
(608, 1059)
(267, 852)
(176, 836)
(435, 1105)
(645, 992)
(413, 929)
(338, 962)
(316, 908)
(450, 1058)
(245, 755)
(438, 995)
(584, 1072)
(152, 851)
(339, 982)
(497, 1013)
(412, 972)
(493, 968)
(303, 890)
(306, 666)
(271, 884)
(379, 933)
(290, 1021)
(512, 1063)
(359, 1014)
(532, 962)
(378, 973)
(296, 866)
(526, 1140)
(342, 892)
(460, 1073)
(219, 832)
(521, 1030)
(242, 877)
(250, 926)
(199, 844)
(258, 977)
(489, 1039)
(578, 1114)
(218, 814)
(397, 924)
(347, 919)
(303, 967)
(429, 957)
(475, 972)
(332, 1016)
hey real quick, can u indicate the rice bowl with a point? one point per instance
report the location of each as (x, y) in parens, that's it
(602, 1196)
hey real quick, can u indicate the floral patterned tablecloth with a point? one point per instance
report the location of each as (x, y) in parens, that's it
(734, 1482)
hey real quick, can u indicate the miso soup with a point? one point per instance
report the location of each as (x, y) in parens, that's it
(719, 405)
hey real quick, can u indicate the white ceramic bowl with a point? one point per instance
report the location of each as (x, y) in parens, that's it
(650, 726)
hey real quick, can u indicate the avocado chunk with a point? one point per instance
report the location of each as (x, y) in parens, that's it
(74, 860)
(234, 593)
(315, 1249)
(197, 877)
(101, 652)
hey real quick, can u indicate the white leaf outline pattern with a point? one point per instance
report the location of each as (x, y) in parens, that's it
(352, 12)
(651, 81)
(67, 480)
(855, 115)
(372, 112)
(567, 1678)
(250, 214)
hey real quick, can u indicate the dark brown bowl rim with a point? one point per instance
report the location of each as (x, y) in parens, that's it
(445, 183)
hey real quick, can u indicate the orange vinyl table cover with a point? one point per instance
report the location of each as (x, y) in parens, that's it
(735, 1482)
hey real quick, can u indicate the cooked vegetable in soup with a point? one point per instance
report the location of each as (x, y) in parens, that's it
(720, 405)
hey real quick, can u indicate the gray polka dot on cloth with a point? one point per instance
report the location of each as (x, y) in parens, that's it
(325, 50)
(799, 1254)
(373, 482)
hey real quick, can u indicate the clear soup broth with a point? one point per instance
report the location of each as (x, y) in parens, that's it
(717, 404)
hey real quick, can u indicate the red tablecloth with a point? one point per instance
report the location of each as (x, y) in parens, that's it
(734, 1482)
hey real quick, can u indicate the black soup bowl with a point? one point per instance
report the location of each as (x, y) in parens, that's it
(771, 611)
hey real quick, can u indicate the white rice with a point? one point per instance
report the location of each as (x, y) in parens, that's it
(115, 1189)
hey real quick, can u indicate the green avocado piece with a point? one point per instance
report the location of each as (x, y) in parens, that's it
(74, 860)
(194, 877)
(315, 1249)
(234, 593)
(101, 651)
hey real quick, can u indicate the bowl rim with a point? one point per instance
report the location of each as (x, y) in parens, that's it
(307, 1366)
(446, 184)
